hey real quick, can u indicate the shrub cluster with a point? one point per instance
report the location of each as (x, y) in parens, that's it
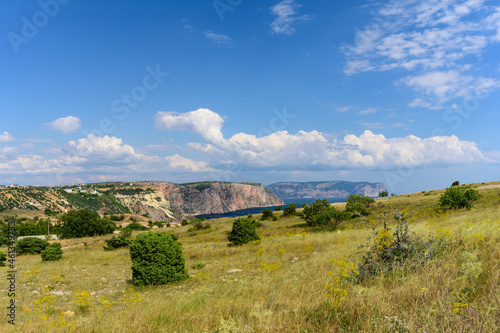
(136, 226)
(52, 252)
(457, 197)
(290, 210)
(157, 259)
(244, 230)
(322, 214)
(358, 204)
(383, 194)
(116, 242)
(31, 245)
(267, 214)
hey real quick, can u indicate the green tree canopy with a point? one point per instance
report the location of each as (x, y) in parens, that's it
(84, 223)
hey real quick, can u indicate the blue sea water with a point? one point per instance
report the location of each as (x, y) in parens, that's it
(257, 210)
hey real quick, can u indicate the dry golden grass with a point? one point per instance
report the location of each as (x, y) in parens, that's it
(281, 285)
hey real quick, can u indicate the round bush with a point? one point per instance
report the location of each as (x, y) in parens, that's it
(31, 245)
(157, 259)
(244, 230)
(115, 243)
(52, 252)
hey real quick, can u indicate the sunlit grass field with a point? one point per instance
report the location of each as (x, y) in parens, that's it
(277, 285)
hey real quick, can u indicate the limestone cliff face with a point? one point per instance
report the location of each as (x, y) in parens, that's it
(328, 189)
(215, 197)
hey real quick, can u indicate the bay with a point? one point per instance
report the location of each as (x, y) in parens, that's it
(257, 210)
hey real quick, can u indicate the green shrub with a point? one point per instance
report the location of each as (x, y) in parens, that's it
(455, 183)
(267, 214)
(31, 245)
(4, 241)
(322, 214)
(277, 208)
(458, 197)
(84, 223)
(358, 204)
(3, 258)
(159, 224)
(116, 218)
(157, 259)
(52, 252)
(383, 194)
(115, 243)
(290, 210)
(244, 230)
(198, 266)
(135, 226)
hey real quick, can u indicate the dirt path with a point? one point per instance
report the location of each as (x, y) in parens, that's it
(71, 246)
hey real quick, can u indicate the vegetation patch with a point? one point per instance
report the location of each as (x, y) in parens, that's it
(157, 259)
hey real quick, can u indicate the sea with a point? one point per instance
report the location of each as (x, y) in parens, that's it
(257, 210)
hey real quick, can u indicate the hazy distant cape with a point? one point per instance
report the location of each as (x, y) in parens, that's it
(324, 189)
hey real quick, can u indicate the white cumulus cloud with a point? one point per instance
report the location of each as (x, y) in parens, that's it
(6, 137)
(203, 122)
(65, 124)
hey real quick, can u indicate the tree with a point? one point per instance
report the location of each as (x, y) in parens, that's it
(84, 223)
(157, 259)
(383, 194)
(458, 197)
(290, 210)
(277, 208)
(455, 183)
(244, 230)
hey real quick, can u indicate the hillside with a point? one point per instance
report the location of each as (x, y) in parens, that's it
(279, 284)
(325, 189)
(161, 201)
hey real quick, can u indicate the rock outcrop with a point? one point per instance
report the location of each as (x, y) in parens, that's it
(214, 197)
(327, 189)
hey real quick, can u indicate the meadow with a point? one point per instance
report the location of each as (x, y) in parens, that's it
(284, 283)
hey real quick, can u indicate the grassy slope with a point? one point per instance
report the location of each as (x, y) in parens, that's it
(286, 294)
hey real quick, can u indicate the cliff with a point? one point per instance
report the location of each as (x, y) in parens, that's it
(326, 189)
(159, 201)
(214, 197)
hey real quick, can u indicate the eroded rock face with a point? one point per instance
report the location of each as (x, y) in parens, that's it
(216, 197)
(152, 204)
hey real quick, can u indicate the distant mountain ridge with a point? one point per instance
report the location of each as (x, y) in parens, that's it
(325, 189)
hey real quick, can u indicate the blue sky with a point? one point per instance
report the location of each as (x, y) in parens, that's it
(404, 92)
